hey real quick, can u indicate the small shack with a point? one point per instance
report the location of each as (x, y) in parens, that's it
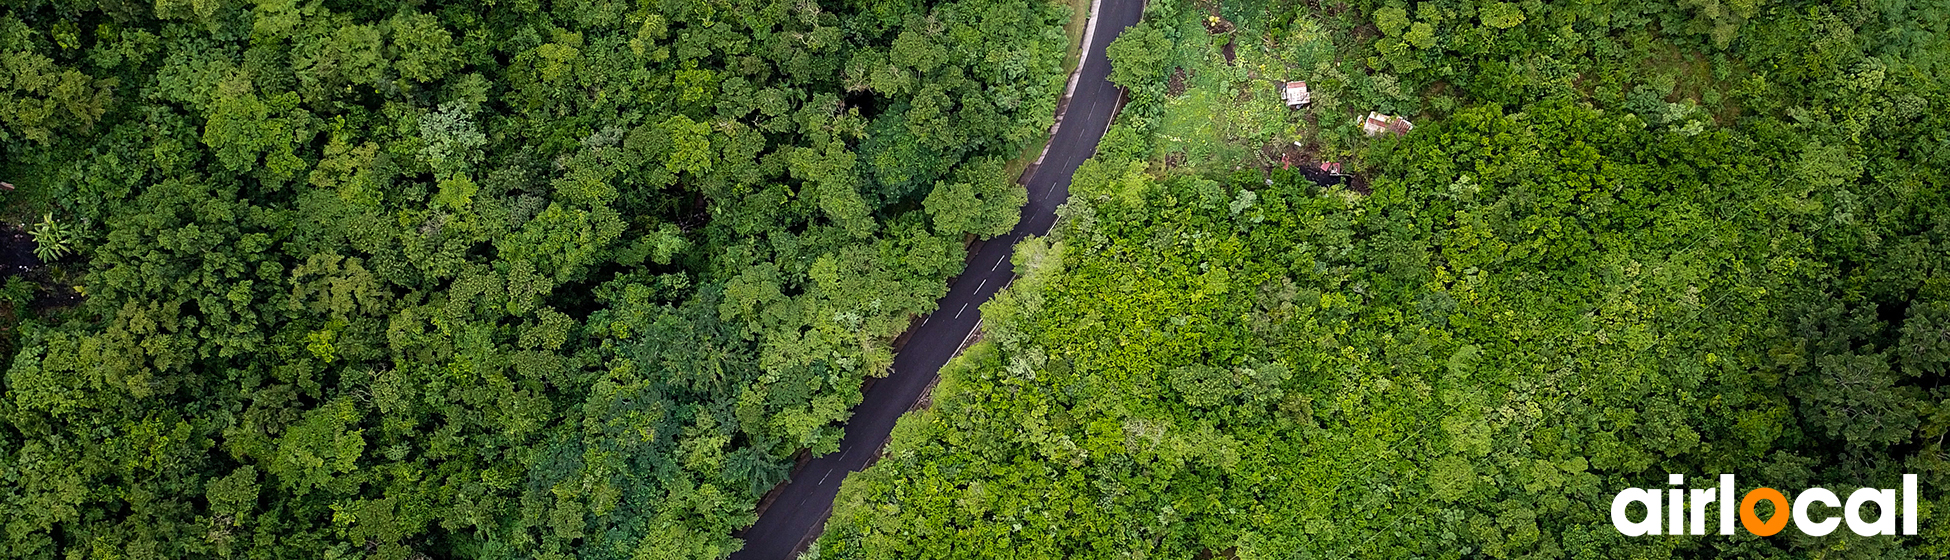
(1295, 94)
(1377, 123)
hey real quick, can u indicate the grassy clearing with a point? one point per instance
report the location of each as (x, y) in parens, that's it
(1229, 111)
(1699, 78)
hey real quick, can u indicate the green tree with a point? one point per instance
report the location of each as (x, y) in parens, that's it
(986, 208)
(1140, 58)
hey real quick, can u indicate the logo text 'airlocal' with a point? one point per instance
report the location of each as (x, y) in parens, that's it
(1674, 517)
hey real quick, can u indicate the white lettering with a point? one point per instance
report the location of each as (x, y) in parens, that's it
(1909, 504)
(1650, 498)
(1676, 519)
(1701, 497)
(1885, 501)
(1726, 504)
(1807, 525)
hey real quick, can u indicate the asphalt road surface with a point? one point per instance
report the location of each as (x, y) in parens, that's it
(799, 512)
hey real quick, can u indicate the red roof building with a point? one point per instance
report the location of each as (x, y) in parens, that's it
(1377, 123)
(1295, 94)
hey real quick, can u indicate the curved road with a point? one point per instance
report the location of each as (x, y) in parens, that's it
(799, 512)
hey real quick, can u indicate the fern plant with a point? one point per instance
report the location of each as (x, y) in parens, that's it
(53, 240)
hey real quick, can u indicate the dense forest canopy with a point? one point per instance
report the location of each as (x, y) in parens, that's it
(528, 279)
(1624, 239)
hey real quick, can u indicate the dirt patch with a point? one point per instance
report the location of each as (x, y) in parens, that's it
(16, 251)
(1364, 34)
(1174, 159)
(1359, 184)
(1216, 25)
(1176, 85)
(1306, 161)
(17, 260)
(1230, 53)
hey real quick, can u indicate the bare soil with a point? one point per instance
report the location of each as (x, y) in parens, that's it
(17, 260)
(1306, 160)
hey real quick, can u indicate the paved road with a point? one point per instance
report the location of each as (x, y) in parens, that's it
(797, 515)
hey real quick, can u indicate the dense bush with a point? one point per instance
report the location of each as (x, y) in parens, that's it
(1580, 279)
(460, 279)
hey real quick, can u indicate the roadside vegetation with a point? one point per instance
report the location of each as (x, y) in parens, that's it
(352, 279)
(1624, 239)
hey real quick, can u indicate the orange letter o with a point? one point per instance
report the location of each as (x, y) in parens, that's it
(1752, 522)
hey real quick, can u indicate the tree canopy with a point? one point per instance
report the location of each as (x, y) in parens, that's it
(536, 279)
(1604, 254)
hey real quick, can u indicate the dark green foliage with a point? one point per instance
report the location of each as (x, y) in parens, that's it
(515, 280)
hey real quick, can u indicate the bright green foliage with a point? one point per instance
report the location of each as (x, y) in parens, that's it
(1431, 370)
(1140, 59)
(1392, 20)
(53, 240)
(1421, 34)
(1548, 292)
(478, 280)
(1500, 15)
